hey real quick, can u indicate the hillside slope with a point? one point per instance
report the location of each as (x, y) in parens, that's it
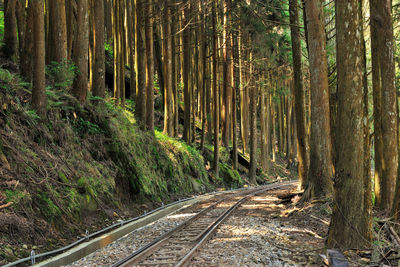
(82, 167)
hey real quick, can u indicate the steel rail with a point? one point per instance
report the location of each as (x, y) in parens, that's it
(207, 233)
(201, 239)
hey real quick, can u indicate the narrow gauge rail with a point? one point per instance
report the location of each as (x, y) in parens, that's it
(178, 246)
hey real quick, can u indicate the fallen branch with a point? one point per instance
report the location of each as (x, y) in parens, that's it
(394, 234)
(6, 205)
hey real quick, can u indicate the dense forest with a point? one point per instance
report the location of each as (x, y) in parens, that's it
(227, 87)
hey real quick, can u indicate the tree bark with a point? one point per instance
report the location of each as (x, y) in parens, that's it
(81, 48)
(167, 54)
(215, 92)
(253, 128)
(186, 72)
(58, 28)
(38, 81)
(150, 68)
(321, 164)
(25, 58)
(385, 90)
(99, 65)
(367, 142)
(299, 95)
(140, 63)
(235, 90)
(227, 76)
(10, 47)
(351, 224)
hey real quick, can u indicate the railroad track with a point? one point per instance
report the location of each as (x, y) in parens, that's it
(178, 246)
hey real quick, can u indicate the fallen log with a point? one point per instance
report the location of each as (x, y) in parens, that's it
(288, 196)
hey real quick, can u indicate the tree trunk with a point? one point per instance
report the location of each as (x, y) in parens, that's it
(235, 90)
(227, 76)
(21, 24)
(167, 54)
(115, 29)
(26, 60)
(174, 70)
(185, 74)
(99, 65)
(10, 30)
(81, 48)
(299, 96)
(121, 52)
(351, 224)
(131, 26)
(321, 164)
(263, 143)
(70, 27)
(253, 135)
(140, 63)
(273, 128)
(58, 28)
(215, 92)
(38, 82)
(385, 93)
(367, 142)
(150, 68)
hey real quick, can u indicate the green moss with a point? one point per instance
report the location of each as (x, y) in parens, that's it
(15, 195)
(230, 177)
(63, 178)
(51, 211)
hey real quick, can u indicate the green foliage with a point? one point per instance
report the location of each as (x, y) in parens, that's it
(6, 76)
(86, 127)
(109, 48)
(14, 195)
(1, 26)
(373, 197)
(50, 210)
(230, 177)
(61, 75)
(33, 117)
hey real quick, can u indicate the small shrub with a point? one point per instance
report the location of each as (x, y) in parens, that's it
(61, 75)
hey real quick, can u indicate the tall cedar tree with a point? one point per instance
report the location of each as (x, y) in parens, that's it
(299, 95)
(167, 55)
(140, 62)
(386, 101)
(38, 82)
(27, 51)
(215, 91)
(351, 224)
(186, 73)
(81, 50)
(321, 165)
(149, 68)
(10, 30)
(57, 51)
(99, 55)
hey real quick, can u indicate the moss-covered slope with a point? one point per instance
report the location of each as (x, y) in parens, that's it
(80, 167)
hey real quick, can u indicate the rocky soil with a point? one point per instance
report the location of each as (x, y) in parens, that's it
(262, 232)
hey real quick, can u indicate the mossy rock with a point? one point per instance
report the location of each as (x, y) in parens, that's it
(230, 177)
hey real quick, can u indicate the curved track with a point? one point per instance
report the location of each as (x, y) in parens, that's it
(178, 246)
